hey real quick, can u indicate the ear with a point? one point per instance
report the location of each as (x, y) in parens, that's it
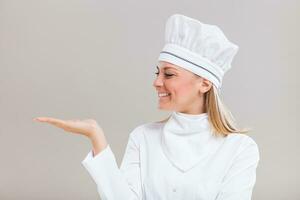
(205, 85)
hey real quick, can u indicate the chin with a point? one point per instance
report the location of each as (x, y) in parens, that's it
(163, 107)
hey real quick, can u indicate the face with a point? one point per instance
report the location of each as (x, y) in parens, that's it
(185, 89)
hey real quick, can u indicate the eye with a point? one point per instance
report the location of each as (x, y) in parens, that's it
(166, 74)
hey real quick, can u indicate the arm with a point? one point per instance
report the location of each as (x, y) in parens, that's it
(240, 179)
(114, 183)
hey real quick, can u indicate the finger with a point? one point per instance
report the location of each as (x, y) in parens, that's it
(51, 120)
(40, 119)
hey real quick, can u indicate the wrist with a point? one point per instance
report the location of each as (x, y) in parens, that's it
(98, 140)
(95, 134)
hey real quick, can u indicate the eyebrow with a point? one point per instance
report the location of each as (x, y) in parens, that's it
(167, 68)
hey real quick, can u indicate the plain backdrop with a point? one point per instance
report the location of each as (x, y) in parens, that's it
(78, 59)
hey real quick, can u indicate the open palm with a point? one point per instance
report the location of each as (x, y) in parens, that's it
(84, 127)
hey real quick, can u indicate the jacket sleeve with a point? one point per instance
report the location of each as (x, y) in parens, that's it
(114, 183)
(240, 179)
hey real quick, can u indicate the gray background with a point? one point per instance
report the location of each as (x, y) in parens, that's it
(77, 59)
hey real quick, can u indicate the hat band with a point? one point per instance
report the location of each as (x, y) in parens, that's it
(194, 63)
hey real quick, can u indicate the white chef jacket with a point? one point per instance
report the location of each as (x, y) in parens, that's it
(177, 160)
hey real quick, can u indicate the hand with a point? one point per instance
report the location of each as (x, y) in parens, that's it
(88, 127)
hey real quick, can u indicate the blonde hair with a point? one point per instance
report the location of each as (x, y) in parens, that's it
(220, 118)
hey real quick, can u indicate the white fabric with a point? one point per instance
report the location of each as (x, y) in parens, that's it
(187, 140)
(175, 160)
(198, 47)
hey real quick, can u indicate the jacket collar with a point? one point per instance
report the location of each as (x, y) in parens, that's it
(186, 139)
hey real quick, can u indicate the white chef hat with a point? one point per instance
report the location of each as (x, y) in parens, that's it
(198, 47)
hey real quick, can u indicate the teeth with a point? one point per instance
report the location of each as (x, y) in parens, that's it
(163, 94)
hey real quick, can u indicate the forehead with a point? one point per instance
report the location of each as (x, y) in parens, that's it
(165, 65)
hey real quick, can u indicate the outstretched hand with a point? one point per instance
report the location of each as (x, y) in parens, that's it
(88, 127)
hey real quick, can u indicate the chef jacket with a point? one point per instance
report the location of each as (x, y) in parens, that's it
(179, 159)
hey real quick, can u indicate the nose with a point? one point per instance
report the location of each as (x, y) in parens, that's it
(158, 82)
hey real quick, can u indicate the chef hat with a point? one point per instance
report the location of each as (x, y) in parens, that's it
(198, 47)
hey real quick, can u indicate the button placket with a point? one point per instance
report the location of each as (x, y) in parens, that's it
(177, 180)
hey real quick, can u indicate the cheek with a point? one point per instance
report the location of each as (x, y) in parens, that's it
(184, 90)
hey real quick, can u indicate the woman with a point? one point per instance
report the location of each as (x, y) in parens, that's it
(197, 153)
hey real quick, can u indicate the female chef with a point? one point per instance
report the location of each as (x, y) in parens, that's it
(197, 153)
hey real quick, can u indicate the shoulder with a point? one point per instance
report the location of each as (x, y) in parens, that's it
(241, 139)
(244, 144)
(139, 131)
(146, 126)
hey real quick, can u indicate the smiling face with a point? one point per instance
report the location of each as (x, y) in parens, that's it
(185, 89)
